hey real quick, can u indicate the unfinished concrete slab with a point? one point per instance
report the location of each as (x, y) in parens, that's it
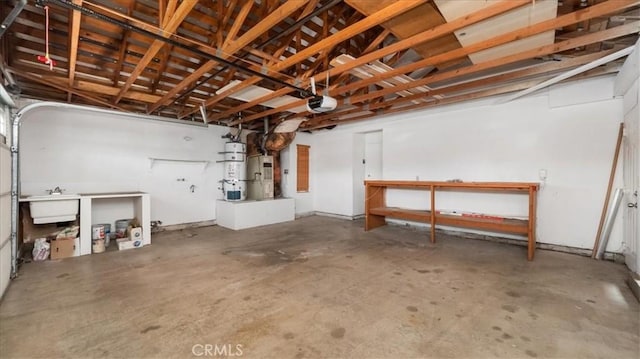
(318, 288)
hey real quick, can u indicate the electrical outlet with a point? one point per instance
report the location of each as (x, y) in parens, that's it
(542, 173)
(286, 171)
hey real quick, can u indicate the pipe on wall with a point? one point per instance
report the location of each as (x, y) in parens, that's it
(608, 224)
(15, 165)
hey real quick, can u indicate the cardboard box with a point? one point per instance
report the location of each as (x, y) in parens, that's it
(135, 234)
(128, 244)
(63, 248)
(29, 231)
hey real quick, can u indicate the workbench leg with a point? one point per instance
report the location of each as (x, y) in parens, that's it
(433, 215)
(531, 245)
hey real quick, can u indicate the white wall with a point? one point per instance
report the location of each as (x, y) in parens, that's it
(484, 141)
(83, 151)
(288, 161)
(333, 172)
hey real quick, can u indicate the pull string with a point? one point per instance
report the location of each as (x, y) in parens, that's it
(46, 38)
(46, 59)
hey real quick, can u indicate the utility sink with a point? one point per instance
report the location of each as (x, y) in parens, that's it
(53, 208)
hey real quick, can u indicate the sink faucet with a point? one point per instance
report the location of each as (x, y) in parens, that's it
(56, 190)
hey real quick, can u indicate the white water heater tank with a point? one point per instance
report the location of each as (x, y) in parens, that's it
(235, 171)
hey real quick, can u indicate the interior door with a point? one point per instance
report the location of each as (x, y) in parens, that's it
(358, 174)
(631, 188)
(373, 155)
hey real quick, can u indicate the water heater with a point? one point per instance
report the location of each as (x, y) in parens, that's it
(260, 180)
(235, 171)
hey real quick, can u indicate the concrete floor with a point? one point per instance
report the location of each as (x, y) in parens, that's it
(320, 287)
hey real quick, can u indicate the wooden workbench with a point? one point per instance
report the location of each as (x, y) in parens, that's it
(376, 209)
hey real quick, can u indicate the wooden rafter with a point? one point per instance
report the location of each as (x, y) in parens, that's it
(274, 18)
(460, 98)
(164, 62)
(66, 88)
(233, 31)
(221, 25)
(123, 48)
(546, 70)
(580, 15)
(96, 88)
(543, 50)
(530, 54)
(171, 26)
(169, 13)
(421, 37)
(379, 17)
(74, 36)
(406, 70)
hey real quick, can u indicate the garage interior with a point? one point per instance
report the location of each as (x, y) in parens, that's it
(319, 178)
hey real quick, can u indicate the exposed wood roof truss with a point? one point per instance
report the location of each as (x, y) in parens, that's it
(374, 57)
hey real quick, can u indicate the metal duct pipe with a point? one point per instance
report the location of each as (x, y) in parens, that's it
(12, 16)
(67, 4)
(608, 224)
(264, 136)
(15, 165)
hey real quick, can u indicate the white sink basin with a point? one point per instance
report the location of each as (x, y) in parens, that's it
(52, 197)
(54, 208)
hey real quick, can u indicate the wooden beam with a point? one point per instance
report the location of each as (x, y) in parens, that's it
(256, 102)
(540, 51)
(581, 15)
(389, 12)
(164, 62)
(219, 35)
(223, 23)
(161, 11)
(171, 26)
(74, 37)
(39, 79)
(123, 48)
(565, 20)
(546, 69)
(169, 12)
(424, 36)
(237, 23)
(271, 20)
(121, 55)
(97, 88)
(460, 98)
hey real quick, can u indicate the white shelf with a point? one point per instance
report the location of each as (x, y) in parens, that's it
(153, 160)
(141, 204)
